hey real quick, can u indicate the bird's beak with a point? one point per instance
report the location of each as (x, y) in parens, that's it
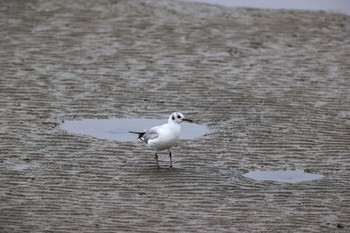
(188, 120)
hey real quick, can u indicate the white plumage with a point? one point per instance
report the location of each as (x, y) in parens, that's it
(163, 137)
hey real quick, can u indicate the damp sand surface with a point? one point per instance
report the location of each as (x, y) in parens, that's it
(274, 84)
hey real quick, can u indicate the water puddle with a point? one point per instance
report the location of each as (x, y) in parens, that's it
(286, 176)
(20, 167)
(118, 129)
(23, 167)
(342, 6)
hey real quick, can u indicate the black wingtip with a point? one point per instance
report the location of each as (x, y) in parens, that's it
(139, 133)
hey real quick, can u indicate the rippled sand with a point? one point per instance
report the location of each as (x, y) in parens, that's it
(274, 85)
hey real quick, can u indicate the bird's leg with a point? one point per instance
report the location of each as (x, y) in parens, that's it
(171, 162)
(156, 156)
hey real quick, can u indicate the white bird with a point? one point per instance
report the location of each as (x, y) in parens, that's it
(163, 137)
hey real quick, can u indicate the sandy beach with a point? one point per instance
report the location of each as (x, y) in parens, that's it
(272, 85)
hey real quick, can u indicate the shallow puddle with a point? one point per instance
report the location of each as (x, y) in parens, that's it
(287, 176)
(314, 5)
(118, 129)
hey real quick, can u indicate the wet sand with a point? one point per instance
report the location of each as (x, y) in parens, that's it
(274, 85)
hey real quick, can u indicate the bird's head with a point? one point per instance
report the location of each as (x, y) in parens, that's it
(178, 117)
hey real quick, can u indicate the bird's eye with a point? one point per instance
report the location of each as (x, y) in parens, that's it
(173, 118)
(178, 116)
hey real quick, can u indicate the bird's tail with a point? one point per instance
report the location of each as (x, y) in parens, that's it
(139, 133)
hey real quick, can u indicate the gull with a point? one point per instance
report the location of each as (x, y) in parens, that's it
(163, 137)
